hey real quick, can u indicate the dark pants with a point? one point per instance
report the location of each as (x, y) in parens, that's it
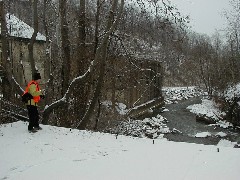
(33, 117)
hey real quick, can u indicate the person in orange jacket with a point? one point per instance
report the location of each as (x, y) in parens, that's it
(32, 104)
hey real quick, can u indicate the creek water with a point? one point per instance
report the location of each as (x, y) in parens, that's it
(183, 120)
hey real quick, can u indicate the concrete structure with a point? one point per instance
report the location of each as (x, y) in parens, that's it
(19, 35)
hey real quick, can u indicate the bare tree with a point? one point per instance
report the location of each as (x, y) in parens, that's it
(34, 35)
(98, 62)
(5, 51)
(101, 56)
(65, 45)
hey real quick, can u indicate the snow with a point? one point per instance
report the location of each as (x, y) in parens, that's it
(61, 153)
(232, 91)
(224, 124)
(152, 128)
(121, 108)
(18, 28)
(208, 108)
(203, 135)
(208, 134)
(221, 134)
(226, 143)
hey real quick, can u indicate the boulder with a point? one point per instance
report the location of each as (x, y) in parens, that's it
(204, 119)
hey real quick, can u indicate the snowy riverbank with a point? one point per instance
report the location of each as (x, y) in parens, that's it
(60, 153)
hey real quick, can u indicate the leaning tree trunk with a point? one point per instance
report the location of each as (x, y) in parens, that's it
(101, 56)
(82, 91)
(5, 50)
(47, 66)
(65, 45)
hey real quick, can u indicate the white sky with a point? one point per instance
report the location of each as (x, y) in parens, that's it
(205, 15)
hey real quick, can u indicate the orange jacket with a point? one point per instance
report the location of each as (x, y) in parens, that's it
(34, 90)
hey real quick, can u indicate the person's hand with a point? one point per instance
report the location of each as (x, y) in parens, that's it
(42, 96)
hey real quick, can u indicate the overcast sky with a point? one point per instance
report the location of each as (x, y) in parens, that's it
(206, 15)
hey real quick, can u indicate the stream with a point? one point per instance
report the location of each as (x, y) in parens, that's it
(183, 120)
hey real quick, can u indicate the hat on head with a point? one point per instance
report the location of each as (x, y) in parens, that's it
(36, 76)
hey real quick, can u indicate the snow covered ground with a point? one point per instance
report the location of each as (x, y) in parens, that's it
(60, 153)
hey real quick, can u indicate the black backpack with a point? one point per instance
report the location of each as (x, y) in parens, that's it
(26, 97)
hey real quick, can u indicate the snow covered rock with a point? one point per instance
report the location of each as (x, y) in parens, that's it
(207, 111)
(148, 127)
(221, 134)
(226, 143)
(203, 135)
(175, 94)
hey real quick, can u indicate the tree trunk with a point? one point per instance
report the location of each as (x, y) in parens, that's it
(33, 38)
(82, 91)
(113, 98)
(47, 66)
(65, 45)
(82, 36)
(99, 2)
(5, 51)
(101, 56)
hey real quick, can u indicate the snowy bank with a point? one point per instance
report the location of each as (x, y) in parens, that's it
(232, 92)
(59, 153)
(208, 108)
